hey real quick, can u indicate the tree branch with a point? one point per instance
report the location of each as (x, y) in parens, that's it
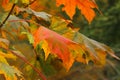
(7, 16)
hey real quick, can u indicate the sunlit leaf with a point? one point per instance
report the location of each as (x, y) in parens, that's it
(84, 5)
(92, 47)
(74, 47)
(58, 45)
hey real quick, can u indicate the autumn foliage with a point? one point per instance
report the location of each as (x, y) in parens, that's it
(49, 33)
(86, 7)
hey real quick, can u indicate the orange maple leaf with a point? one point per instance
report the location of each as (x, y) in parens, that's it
(58, 45)
(70, 46)
(84, 5)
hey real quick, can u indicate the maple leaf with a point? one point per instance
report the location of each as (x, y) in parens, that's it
(53, 43)
(71, 45)
(84, 5)
(8, 71)
(94, 50)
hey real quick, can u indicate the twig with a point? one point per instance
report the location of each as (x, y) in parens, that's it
(7, 16)
(27, 62)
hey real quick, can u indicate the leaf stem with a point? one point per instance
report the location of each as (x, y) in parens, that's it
(7, 16)
(27, 62)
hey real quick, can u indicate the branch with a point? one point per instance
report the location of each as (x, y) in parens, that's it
(7, 16)
(27, 62)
